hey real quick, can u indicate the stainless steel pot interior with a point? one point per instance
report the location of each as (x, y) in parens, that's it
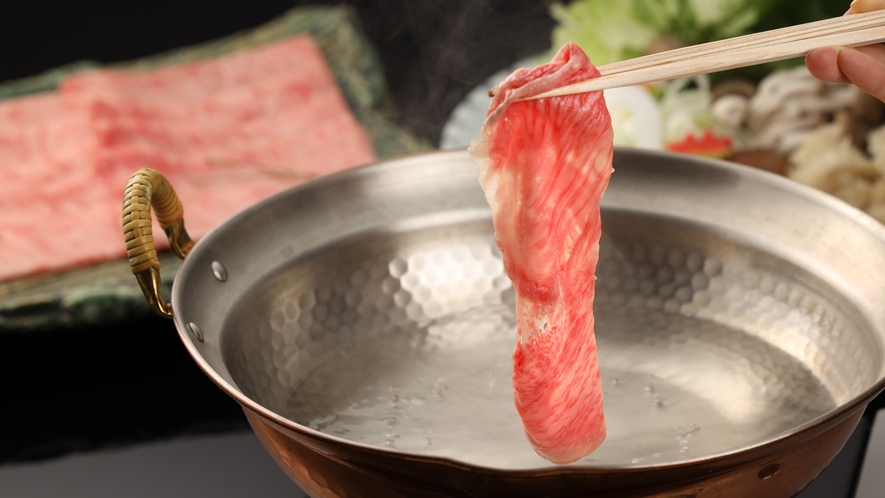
(371, 308)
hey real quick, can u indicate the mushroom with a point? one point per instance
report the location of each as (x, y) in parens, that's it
(789, 105)
(829, 161)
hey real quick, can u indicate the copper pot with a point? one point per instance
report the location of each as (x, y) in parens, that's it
(740, 322)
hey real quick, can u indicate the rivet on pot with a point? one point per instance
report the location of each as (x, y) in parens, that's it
(198, 333)
(219, 271)
(769, 471)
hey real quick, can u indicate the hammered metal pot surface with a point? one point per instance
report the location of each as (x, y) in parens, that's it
(366, 320)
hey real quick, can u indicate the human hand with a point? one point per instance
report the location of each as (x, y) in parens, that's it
(863, 66)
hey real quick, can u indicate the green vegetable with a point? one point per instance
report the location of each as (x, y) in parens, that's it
(613, 30)
(699, 21)
(606, 30)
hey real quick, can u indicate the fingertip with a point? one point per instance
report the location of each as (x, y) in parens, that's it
(823, 64)
(864, 71)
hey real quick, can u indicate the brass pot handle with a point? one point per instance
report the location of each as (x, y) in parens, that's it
(144, 189)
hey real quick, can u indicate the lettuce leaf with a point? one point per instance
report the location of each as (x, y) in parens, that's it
(614, 30)
(607, 30)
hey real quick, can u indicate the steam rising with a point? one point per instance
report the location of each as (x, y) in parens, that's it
(436, 51)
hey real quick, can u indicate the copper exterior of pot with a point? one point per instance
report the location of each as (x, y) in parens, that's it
(330, 471)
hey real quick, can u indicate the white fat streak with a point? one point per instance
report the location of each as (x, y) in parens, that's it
(488, 180)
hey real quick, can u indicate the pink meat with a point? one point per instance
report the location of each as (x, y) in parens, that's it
(277, 106)
(544, 165)
(227, 132)
(162, 87)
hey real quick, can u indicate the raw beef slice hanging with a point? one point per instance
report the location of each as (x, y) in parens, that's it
(544, 165)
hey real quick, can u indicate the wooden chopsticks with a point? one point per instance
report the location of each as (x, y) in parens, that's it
(758, 48)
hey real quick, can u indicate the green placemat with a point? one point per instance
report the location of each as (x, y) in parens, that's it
(108, 292)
